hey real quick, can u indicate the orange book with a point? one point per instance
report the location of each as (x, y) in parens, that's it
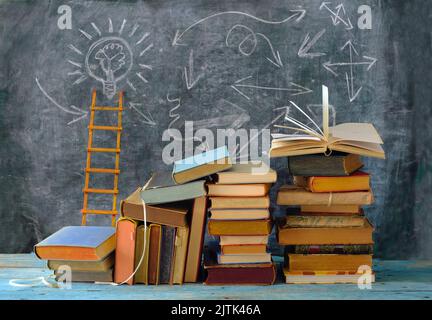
(240, 202)
(239, 227)
(125, 250)
(325, 209)
(328, 262)
(357, 181)
(238, 190)
(244, 249)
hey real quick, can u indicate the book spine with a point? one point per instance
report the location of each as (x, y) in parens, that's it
(324, 221)
(317, 166)
(330, 249)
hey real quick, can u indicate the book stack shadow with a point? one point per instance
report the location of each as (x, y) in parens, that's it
(326, 235)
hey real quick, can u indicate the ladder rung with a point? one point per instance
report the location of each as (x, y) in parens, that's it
(105, 128)
(103, 170)
(103, 150)
(107, 191)
(107, 108)
(93, 211)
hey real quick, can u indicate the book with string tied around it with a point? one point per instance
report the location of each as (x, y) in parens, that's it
(356, 138)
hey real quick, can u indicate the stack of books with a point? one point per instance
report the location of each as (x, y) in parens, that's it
(240, 217)
(87, 252)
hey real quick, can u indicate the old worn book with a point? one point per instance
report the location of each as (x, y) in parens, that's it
(348, 209)
(327, 277)
(196, 238)
(141, 248)
(357, 181)
(239, 214)
(325, 236)
(242, 240)
(327, 262)
(240, 202)
(201, 165)
(293, 196)
(238, 190)
(78, 243)
(330, 249)
(125, 251)
(94, 266)
(251, 172)
(243, 249)
(244, 258)
(88, 276)
(239, 227)
(154, 253)
(319, 221)
(166, 263)
(337, 164)
(357, 138)
(161, 188)
(180, 254)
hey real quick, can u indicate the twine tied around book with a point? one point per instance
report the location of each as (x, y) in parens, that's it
(33, 282)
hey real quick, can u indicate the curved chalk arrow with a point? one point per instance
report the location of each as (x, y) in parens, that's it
(298, 15)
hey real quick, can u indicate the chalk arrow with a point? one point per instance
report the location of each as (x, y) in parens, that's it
(296, 89)
(335, 16)
(277, 61)
(307, 44)
(189, 78)
(146, 119)
(352, 95)
(297, 15)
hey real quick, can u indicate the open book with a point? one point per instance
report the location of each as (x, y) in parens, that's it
(357, 138)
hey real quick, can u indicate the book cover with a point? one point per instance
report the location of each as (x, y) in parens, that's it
(105, 264)
(161, 188)
(125, 251)
(327, 262)
(238, 190)
(245, 173)
(239, 227)
(201, 165)
(167, 254)
(321, 221)
(79, 243)
(239, 214)
(180, 254)
(357, 181)
(330, 249)
(240, 202)
(154, 253)
(337, 164)
(141, 246)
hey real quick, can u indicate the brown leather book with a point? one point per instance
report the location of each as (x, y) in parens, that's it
(327, 262)
(154, 253)
(325, 236)
(172, 214)
(196, 238)
(125, 251)
(239, 227)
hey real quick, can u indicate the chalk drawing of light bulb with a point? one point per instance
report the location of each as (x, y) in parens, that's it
(108, 61)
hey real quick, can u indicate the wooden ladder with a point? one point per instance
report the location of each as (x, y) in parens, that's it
(89, 169)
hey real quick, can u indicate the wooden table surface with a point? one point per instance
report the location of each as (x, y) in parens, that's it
(394, 280)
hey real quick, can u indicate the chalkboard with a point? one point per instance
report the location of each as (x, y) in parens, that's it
(220, 64)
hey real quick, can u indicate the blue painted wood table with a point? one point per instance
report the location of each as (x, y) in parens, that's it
(394, 280)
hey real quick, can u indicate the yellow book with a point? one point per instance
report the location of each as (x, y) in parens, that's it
(180, 254)
(357, 181)
(239, 227)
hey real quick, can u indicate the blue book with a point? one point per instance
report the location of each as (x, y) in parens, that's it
(201, 165)
(77, 243)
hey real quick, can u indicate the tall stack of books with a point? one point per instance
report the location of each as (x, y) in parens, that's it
(240, 217)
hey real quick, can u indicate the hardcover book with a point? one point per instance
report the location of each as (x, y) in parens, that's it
(240, 202)
(239, 214)
(330, 249)
(166, 263)
(79, 243)
(238, 190)
(88, 276)
(154, 253)
(242, 240)
(141, 246)
(337, 209)
(125, 250)
(357, 181)
(239, 227)
(319, 221)
(251, 172)
(201, 165)
(180, 254)
(243, 249)
(327, 262)
(244, 258)
(324, 277)
(92, 266)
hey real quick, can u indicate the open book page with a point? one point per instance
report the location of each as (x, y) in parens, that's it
(293, 137)
(361, 148)
(362, 132)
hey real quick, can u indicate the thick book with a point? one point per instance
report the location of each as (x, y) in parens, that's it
(243, 249)
(325, 236)
(242, 240)
(330, 249)
(88, 276)
(319, 221)
(348, 209)
(357, 138)
(92, 266)
(239, 214)
(293, 196)
(180, 254)
(239, 227)
(166, 263)
(154, 253)
(125, 251)
(337, 164)
(141, 254)
(172, 214)
(327, 262)
(161, 188)
(240, 202)
(79, 243)
(201, 165)
(244, 258)
(251, 172)
(196, 239)
(238, 190)
(326, 277)
(357, 181)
